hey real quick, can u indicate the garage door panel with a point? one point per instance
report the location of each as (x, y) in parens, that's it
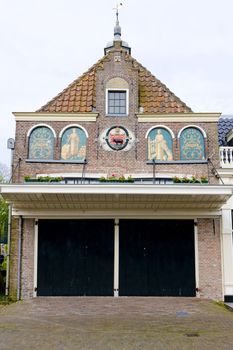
(75, 257)
(157, 258)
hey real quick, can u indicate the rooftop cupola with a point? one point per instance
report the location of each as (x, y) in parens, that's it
(117, 42)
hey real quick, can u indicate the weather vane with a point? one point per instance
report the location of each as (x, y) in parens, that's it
(117, 8)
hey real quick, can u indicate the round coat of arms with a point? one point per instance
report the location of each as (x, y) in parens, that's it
(117, 137)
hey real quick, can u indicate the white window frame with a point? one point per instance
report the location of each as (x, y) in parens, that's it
(127, 102)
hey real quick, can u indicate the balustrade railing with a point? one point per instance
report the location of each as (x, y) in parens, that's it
(226, 156)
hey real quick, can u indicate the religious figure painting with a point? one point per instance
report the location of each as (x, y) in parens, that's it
(41, 143)
(160, 145)
(192, 145)
(73, 144)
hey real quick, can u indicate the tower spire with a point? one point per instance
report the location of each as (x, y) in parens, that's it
(117, 28)
(117, 41)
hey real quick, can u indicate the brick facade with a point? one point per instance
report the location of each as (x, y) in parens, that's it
(101, 161)
(133, 161)
(209, 251)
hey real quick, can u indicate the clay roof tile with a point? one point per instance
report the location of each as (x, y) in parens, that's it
(80, 95)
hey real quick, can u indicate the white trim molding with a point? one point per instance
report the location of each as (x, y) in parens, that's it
(56, 117)
(194, 127)
(73, 126)
(41, 126)
(160, 127)
(178, 117)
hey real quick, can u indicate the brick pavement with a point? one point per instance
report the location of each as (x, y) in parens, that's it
(115, 323)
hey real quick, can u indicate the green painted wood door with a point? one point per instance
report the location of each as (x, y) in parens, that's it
(157, 258)
(75, 257)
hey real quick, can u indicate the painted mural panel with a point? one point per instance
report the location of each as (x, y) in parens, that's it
(192, 145)
(73, 144)
(41, 143)
(160, 145)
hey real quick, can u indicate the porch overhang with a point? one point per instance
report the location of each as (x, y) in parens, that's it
(58, 200)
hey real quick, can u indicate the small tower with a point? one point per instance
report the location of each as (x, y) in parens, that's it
(117, 42)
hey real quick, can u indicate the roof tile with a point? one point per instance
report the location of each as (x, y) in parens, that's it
(80, 95)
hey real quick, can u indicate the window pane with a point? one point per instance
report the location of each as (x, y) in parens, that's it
(117, 102)
(111, 110)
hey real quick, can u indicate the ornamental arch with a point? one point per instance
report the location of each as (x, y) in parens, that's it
(160, 143)
(192, 143)
(41, 142)
(73, 143)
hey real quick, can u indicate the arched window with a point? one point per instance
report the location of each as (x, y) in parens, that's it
(117, 97)
(41, 143)
(73, 144)
(192, 144)
(159, 142)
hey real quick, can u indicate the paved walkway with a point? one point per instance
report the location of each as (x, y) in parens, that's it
(115, 323)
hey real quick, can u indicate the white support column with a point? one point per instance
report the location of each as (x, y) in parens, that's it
(196, 257)
(35, 257)
(227, 251)
(116, 258)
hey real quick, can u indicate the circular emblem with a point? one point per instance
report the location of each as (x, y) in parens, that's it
(117, 137)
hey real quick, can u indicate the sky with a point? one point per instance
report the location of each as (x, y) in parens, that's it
(46, 44)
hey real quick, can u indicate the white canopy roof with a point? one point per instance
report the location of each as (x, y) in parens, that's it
(58, 200)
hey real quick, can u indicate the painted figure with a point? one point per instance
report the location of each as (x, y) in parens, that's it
(73, 145)
(158, 147)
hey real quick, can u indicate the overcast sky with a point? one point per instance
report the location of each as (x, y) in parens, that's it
(46, 44)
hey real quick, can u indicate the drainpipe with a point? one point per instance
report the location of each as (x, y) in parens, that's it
(8, 249)
(19, 257)
(153, 171)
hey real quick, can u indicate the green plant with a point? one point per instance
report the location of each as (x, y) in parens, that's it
(114, 178)
(28, 178)
(185, 180)
(204, 179)
(193, 179)
(176, 179)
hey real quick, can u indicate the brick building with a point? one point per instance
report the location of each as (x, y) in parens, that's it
(115, 223)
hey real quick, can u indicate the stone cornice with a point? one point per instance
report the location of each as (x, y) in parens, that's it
(178, 117)
(39, 117)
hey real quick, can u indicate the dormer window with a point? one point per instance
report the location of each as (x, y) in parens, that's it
(117, 102)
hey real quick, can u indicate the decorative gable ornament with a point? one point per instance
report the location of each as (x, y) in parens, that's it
(117, 138)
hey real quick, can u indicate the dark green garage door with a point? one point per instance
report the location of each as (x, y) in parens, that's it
(75, 257)
(157, 258)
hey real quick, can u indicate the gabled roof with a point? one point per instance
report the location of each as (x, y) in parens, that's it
(80, 95)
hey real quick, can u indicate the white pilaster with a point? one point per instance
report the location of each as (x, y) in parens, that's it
(196, 257)
(116, 258)
(35, 257)
(227, 250)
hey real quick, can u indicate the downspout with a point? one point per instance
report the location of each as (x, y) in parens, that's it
(19, 257)
(8, 249)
